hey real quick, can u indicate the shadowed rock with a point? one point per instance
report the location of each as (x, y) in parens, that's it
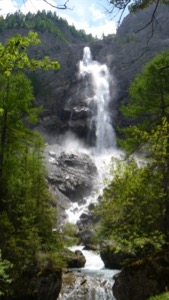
(73, 174)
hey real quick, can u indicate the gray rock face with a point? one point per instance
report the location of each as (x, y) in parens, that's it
(71, 177)
(73, 174)
(125, 54)
(63, 94)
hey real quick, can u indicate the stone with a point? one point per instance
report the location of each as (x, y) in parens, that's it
(73, 175)
(49, 285)
(74, 259)
(114, 258)
(143, 278)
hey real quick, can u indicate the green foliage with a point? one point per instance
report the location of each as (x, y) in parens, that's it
(69, 233)
(164, 296)
(26, 217)
(5, 280)
(134, 208)
(149, 99)
(44, 21)
(133, 6)
(13, 56)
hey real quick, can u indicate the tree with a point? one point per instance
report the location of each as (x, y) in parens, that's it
(134, 207)
(134, 6)
(15, 104)
(26, 218)
(149, 98)
(149, 107)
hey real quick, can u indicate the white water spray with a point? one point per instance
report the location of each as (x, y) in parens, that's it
(100, 79)
(99, 280)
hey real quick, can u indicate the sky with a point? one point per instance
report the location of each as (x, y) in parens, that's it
(89, 15)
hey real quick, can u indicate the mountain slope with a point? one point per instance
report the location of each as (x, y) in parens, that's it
(61, 92)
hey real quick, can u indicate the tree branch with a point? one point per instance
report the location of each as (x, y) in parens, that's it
(62, 6)
(152, 18)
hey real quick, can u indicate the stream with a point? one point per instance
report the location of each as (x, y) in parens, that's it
(93, 282)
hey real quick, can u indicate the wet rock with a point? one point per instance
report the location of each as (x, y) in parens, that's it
(60, 201)
(91, 247)
(91, 206)
(73, 174)
(74, 259)
(79, 286)
(49, 285)
(86, 220)
(143, 278)
(86, 236)
(112, 258)
(39, 283)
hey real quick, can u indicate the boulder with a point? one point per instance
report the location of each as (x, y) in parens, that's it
(38, 283)
(114, 258)
(87, 233)
(143, 278)
(49, 285)
(73, 174)
(87, 236)
(74, 259)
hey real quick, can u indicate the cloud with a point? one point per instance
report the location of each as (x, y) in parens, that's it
(34, 6)
(84, 15)
(96, 14)
(105, 28)
(8, 6)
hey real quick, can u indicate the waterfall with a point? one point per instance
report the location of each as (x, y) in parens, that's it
(100, 81)
(92, 282)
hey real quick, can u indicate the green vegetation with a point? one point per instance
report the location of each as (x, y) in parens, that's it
(26, 216)
(134, 209)
(133, 6)
(5, 280)
(149, 99)
(69, 233)
(164, 296)
(44, 21)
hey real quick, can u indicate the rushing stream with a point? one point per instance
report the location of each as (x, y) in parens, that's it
(93, 282)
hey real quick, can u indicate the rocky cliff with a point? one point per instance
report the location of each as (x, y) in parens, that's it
(125, 54)
(63, 95)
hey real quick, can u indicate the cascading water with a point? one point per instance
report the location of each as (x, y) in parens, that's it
(97, 93)
(93, 282)
(99, 280)
(100, 78)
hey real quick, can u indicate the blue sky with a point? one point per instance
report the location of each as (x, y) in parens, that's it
(89, 15)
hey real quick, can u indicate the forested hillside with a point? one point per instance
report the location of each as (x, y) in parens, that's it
(44, 21)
